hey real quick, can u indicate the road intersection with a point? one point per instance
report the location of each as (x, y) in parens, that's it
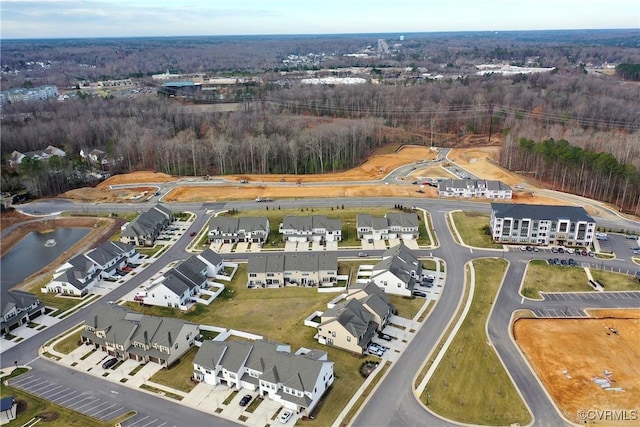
(394, 401)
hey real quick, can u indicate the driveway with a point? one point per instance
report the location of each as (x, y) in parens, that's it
(366, 245)
(380, 244)
(290, 246)
(242, 247)
(411, 243)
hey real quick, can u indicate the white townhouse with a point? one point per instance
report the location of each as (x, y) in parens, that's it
(398, 271)
(391, 226)
(541, 225)
(315, 228)
(243, 229)
(292, 269)
(490, 189)
(296, 381)
(18, 308)
(76, 277)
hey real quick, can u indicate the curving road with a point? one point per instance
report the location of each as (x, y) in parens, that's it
(393, 403)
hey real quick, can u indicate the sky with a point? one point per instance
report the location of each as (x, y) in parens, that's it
(125, 18)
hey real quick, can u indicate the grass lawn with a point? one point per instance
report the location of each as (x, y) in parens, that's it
(69, 344)
(470, 385)
(178, 376)
(30, 406)
(471, 227)
(615, 281)
(53, 300)
(278, 315)
(150, 251)
(351, 267)
(542, 277)
(423, 236)
(407, 307)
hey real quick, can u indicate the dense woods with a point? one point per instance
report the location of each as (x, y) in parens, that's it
(288, 127)
(629, 71)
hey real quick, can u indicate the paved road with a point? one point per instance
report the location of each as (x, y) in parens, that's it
(393, 402)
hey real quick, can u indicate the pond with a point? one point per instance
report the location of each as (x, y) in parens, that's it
(33, 253)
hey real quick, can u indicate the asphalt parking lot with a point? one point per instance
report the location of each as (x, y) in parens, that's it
(87, 403)
(555, 313)
(590, 296)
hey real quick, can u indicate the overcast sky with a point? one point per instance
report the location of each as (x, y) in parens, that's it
(121, 18)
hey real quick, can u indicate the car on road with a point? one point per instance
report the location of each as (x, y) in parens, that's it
(245, 400)
(109, 363)
(363, 254)
(285, 416)
(192, 234)
(419, 294)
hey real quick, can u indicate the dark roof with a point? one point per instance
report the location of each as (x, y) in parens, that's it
(16, 298)
(6, 403)
(540, 212)
(211, 256)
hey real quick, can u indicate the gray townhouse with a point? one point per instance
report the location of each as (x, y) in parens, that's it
(292, 269)
(541, 225)
(348, 325)
(242, 229)
(315, 228)
(126, 334)
(18, 308)
(392, 226)
(296, 381)
(144, 230)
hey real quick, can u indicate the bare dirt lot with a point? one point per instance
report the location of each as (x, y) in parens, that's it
(567, 354)
(483, 162)
(102, 194)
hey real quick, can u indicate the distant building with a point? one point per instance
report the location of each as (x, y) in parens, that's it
(541, 224)
(180, 89)
(491, 189)
(16, 157)
(38, 93)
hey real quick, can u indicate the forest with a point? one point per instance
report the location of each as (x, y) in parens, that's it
(298, 129)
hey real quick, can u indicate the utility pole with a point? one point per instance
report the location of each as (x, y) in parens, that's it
(490, 120)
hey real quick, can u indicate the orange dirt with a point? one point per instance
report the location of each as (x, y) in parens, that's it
(483, 162)
(136, 177)
(102, 194)
(585, 348)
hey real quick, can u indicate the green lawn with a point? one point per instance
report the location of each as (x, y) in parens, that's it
(69, 344)
(470, 384)
(407, 307)
(179, 374)
(542, 277)
(471, 226)
(615, 281)
(278, 315)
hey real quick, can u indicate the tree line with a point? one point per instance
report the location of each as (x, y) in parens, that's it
(597, 175)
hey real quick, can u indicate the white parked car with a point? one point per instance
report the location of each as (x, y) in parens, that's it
(570, 251)
(286, 416)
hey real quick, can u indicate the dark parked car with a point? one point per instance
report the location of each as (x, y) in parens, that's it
(556, 261)
(551, 261)
(245, 400)
(419, 294)
(572, 261)
(564, 262)
(385, 337)
(109, 363)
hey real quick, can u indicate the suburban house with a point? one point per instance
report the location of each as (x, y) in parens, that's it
(18, 307)
(374, 300)
(315, 228)
(16, 157)
(179, 286)
(96, 157)
(296, 381)
(541, 224)
(21, 94)
(144, 230)
(129, 335)
(76, 277)
(398, 271)
(297, 269)
(111, 256)
(234, 230)
(491, 189)
(348, 325)
(391, 226)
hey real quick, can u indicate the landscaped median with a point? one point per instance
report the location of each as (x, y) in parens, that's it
(470, 384)
(473, 229)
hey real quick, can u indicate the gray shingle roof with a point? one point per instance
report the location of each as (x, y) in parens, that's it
(149, 222)
(211, 256)
(405, 220)
(308, 223)
(265, 263)
(15, 298)
(225, 225)
(352, 316)
(540, 212)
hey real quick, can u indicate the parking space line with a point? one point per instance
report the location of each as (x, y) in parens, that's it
(90, 410)
(77, 395)
(64, 396)
(27, 379)
(36, 390)
(142, 419)
(49, 397)
(89, 403)
(113, 412)
(105, 409)
(154, 420)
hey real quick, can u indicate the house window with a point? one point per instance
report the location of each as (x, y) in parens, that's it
(348, 339)
(333, 334)
(176, 346)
